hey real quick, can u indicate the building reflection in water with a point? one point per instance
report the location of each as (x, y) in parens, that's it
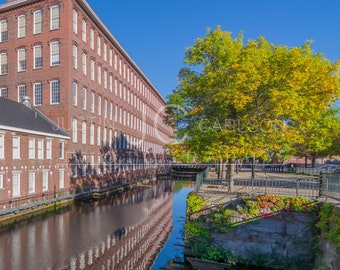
(123, 232)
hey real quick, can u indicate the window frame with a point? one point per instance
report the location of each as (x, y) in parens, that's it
(54, 92)
(36, 23)
(55, 17)
(22, 26)
(22, 62)
(3, 31)
(37, 49)
(54, 53)
(3, 63)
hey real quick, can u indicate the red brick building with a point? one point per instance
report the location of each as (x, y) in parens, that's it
(60, 54)
(32, 153)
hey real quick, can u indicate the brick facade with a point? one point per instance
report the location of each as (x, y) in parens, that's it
(125, 126)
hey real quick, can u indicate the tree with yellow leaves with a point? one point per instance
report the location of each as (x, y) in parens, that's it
(254, 99)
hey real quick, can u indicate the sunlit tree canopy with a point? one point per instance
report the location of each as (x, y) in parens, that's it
(238, 99)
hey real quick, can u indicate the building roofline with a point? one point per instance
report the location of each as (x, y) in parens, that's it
(88, 9)
(33, 132)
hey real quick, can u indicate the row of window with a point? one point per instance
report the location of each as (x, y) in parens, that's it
(16, 181)
(37, 58)
(105, 136)
(37, 148)
(103, 49)
(37, 23)
(108, 165)
(37, 92)
(120, 116)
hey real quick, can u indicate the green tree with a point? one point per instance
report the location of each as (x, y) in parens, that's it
(242, 100)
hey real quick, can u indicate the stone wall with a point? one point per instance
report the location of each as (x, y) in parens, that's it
(284, 241)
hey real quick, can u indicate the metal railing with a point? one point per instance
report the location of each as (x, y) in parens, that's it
(330, 186)
(34, 200)
(288, 187)
(327, 185)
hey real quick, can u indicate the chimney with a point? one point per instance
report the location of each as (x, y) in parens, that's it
(26, 101)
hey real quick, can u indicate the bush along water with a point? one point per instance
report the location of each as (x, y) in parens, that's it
(329, 223)
(202, 222)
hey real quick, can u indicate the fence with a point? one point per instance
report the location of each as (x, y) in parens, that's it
(290, 185)
(34, 200)
(330, 186)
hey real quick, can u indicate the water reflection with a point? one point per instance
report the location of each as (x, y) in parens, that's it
(122, 232)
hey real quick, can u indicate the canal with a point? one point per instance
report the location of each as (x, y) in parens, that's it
(138, 229)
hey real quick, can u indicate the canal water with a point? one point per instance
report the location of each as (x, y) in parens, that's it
(138, 229)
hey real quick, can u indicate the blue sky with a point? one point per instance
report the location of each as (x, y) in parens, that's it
(155, 33)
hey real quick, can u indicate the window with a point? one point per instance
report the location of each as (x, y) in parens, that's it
(110, 57)
(55, 92)
(105, 51)
(61, 178)
(104, 136)
(99, 45)
(83, 30)
(45, 180)
(21, 92)
(105, 108)
(55, 53)
(75, 21)
(92, 134)
(21, 26)
(40, 148)
(16, 147)
(84, 63)
(92, 69)
(2, 146)
(74, 130)
(92, 39)
(116, 87)
(1, 180)
(61, 149)
(105, 78)
(98, 135)
(74, 166)
(75, 56)
(111, 83)
(55, 17)
(37, 22)
(31, 148)
(98, 164)
(99, 105)
(21, 60)
(99, 71)
(37, 94)
(3, 31)
(83, 99)
(92, 165)
(83, 133)
(31, 182)
(74, 94)
(111, 110)
(115, 61)
(83, 166)
(4, 92)
(38, 60)
(16, 184)
(48, 149)
(92, 102)
(3, 64)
